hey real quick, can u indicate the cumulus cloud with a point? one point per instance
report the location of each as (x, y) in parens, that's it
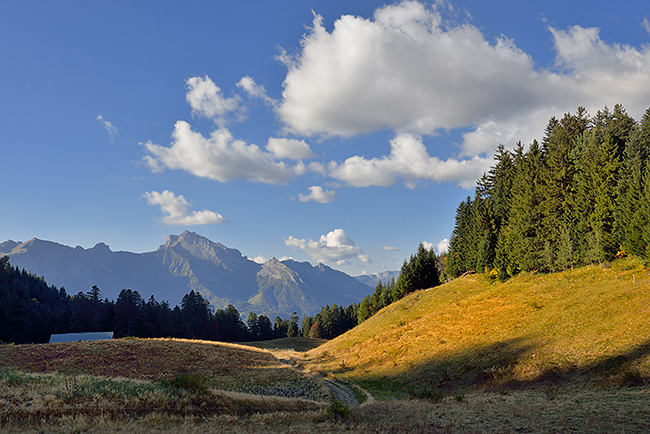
(410, 161)
(255, 90)
(336, 247)
(207, 100)
(427, 245)
(442, 246)
(259, 259)
(406, 69)
(109, 127)
(289, 148)
(219, 157)
(176, 210)
(317, 194)
(399, 70)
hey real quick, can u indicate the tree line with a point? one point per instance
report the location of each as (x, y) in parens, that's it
(581, 196)
(31, 310)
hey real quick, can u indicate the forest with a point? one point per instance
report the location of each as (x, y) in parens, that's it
(31, 310)
(581, 196)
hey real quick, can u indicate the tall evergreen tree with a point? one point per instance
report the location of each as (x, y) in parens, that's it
(631, 217)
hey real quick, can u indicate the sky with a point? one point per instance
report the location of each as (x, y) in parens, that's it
(324, 131)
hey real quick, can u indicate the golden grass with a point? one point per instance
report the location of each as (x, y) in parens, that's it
(591, 324)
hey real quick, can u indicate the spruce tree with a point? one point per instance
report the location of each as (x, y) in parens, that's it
(631, 217)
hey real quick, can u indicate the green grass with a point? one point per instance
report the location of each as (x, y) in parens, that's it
(586, 326)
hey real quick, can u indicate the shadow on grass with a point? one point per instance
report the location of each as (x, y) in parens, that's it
(492, 367)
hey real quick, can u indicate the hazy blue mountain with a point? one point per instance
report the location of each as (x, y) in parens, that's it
(372, 279)
(190, 262)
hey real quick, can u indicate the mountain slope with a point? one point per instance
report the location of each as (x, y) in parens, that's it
(589, 325)
(190, 262)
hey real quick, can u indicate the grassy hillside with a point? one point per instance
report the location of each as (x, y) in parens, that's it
(586, 326)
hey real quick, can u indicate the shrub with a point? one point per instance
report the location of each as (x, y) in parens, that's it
(338, 410)
(189, 382)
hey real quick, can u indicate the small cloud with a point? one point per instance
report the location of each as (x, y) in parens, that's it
(335, 247)
(176, 211)
(289, 148)
(259, 259)
(442, 246)
(646, 24)
(365, 259)
(317, 167)
(255, 90)
(389, 249)
(427, 245)
(109, 127)
(206, 99)
(317, 194)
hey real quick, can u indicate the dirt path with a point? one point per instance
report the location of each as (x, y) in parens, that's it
(339, 391)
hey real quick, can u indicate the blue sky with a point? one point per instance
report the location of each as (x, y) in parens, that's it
(329, 131)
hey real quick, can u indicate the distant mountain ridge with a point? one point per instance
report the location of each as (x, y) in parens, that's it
(190, 262)
(372, 280)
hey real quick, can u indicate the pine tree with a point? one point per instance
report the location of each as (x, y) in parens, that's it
(557, 174)
(631, 217)
(524, 238)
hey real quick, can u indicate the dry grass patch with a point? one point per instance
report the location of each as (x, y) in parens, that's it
(132, 378)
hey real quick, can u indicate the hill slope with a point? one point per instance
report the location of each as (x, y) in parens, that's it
(589, 325)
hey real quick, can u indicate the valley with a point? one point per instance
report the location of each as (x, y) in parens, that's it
(562, 352)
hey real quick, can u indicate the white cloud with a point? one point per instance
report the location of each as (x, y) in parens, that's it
(317, 167)
(399, 70)
(442, 246)
(289, 148)
(219, 157)
(176, 211)
(646, 24)
(317, 194)
(259, 259)
(365, 259)
(255, 90)
(427, 245)
(109, 127)
(206, 98)
(336, 247)
(389, 249)
(407, 70)
(409, 160)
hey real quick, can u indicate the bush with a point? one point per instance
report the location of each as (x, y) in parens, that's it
(189, 382)
(338, 410)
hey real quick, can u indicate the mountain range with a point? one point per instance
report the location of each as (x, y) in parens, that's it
(192, 262)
